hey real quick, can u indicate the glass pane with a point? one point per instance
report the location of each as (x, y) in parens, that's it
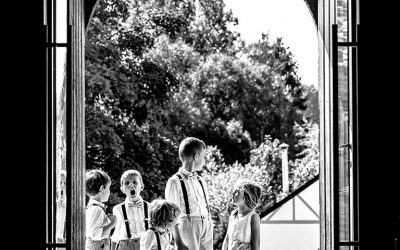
(61, 21)
(344, 145)
(50, 192)
(342, 20)
(349, 248)
(60, 144)
(345, 132)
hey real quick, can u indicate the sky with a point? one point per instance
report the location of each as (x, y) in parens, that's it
(289, 19)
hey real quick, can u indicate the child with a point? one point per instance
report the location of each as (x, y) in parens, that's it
(244, 223)
(131, 214)
(194, 230)
(163, 216)
(98, 224)
(61, 207)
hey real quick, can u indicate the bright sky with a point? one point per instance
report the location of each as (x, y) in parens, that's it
(289, 19)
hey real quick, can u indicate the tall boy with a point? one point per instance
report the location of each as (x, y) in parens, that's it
(189, 190)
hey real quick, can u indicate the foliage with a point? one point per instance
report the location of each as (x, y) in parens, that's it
(306, 166)
(264, 168)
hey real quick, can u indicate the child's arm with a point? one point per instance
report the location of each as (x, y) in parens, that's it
(109, 226)
(147, 240)
(115, 237)
(255, 232)
(225, 243)
(172, 191)
(178, 239)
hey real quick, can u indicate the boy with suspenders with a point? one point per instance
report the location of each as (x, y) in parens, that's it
(132, 214)
(98, 223)
(194, 230)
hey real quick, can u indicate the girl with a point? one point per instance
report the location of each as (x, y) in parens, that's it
(163, 216)
(244, 223)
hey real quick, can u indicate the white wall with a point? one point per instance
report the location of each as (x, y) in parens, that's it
(289, 236)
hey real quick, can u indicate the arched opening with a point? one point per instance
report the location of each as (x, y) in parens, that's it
(103, 99)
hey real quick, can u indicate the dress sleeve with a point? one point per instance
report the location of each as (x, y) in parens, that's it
(147, 241)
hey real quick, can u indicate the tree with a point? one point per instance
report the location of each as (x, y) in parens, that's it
(125, 97)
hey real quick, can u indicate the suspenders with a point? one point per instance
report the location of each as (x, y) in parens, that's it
(157, 237)
(185, 196)
(98, 206)
(146, 220)
(128, 231)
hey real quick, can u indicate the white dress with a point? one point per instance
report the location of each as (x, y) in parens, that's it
(239, 230)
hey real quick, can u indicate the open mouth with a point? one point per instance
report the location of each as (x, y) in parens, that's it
(133, 192)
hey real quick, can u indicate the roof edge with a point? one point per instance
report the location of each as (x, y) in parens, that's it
(290, 196)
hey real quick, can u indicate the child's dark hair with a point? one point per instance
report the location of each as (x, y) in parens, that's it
(163, 212)
(94, 180)
(190, 146)
(251, 192)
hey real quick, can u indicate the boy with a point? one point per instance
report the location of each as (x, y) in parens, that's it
(98, 224)
(131, 214)
(61, 207)
(189, 191)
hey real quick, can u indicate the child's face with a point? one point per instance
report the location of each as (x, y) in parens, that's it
(173, 223)
(132, 186)
(105, 192)
(238, 198)
(199, 160)
(62, 182)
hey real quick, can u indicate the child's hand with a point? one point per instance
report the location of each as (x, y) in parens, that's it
(112, 218)
(182, 247)
(170, 247)
(244, 246)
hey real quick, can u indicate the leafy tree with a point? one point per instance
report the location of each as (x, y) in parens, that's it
(125, 97)
(306, 166)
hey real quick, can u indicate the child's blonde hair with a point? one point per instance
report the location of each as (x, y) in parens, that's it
(131, 172)
(190, 146)
(250, 191)
(163, 212)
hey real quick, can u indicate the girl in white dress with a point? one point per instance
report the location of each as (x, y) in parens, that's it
(244, 223)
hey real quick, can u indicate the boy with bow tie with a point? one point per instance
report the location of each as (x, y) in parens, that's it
(194, 230)
(132, 214)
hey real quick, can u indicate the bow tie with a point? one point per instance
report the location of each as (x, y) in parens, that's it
(192, 175)
(135, 204)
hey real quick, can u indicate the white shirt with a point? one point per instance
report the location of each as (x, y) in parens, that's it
(148, 241)
(197, 202)
(96, 219)
(135, 219)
